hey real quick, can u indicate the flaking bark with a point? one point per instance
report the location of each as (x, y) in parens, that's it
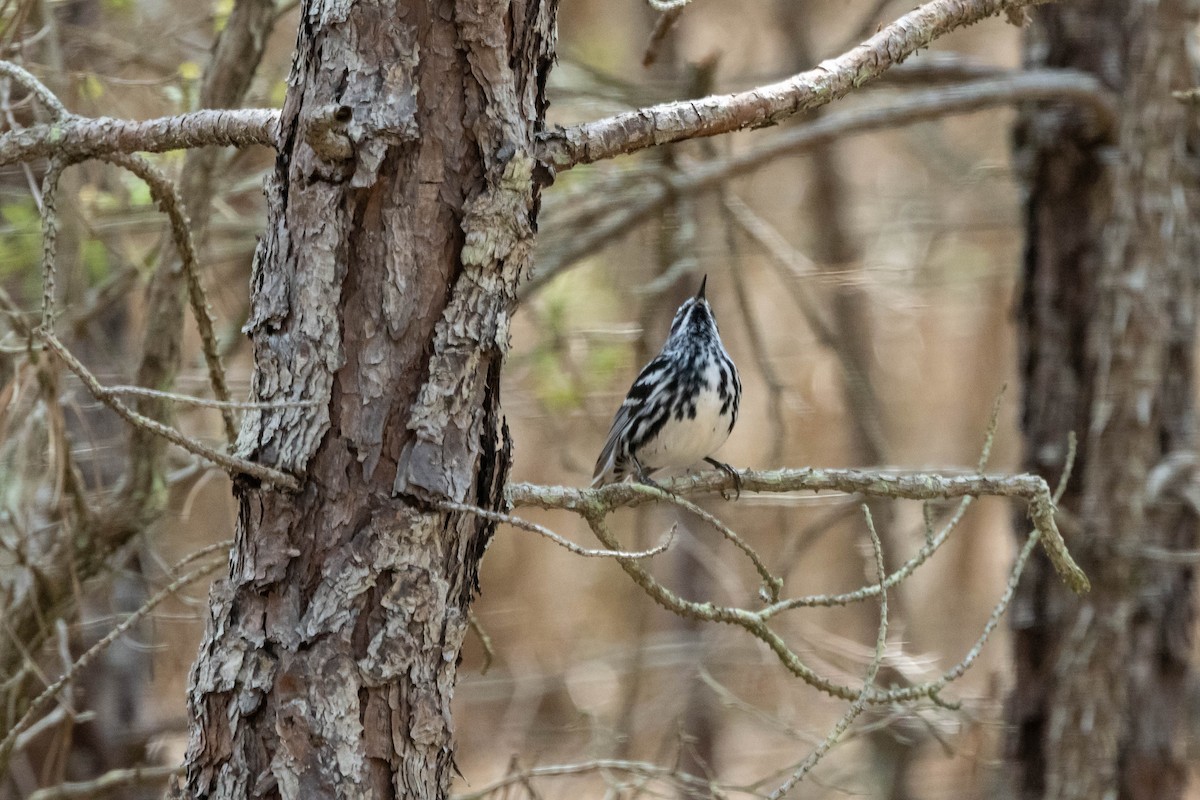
(383, 288)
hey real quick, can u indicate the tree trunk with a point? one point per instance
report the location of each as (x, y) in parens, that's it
(401, 216)
(1107, 334)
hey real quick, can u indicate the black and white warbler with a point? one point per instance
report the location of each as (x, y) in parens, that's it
(682, 406)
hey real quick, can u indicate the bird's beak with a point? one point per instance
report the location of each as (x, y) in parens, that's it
(703, 283)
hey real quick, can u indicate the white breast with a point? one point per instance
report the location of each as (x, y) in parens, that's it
(683, 442)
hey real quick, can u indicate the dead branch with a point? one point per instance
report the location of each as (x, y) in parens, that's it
(630, 208)
(166, 195)
(231, 463)
(860, 704)
(899, 486)
(562, 541)
(81, 663)
(107, 784)
(595, 505)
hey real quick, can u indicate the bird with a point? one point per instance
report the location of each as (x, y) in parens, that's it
(682, 406)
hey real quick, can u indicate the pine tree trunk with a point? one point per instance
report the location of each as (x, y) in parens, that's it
(401, 216)
(1108, 335)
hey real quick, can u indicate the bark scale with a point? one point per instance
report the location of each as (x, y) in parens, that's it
(1107, 324)
(400, 218)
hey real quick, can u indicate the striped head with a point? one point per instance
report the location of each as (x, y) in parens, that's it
(694, 321)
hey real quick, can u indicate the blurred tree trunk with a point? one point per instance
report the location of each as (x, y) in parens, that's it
(1107, 345)
(400, 218)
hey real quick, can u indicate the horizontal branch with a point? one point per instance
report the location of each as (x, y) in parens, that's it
(900, 486)
(767, 105)
(76, 138)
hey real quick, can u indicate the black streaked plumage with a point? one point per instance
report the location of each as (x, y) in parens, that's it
(682, 406)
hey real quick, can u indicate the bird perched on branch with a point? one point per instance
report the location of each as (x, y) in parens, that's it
(682, 406)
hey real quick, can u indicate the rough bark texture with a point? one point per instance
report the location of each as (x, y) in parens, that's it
(1108, 330)
(400, 218)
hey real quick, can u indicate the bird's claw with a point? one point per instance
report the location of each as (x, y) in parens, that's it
(644, 478)
(732, 473)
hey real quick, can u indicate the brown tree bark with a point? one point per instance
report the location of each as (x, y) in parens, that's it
(400, 218)
(1107, 335)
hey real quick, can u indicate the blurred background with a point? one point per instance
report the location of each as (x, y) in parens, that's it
(864, 288)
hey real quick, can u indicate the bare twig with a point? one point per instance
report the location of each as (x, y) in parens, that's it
(632, 207)
(772, 585)
(166, 195)
(860, 704)
(485, 641)
(50, 238)
(108, 783)
(190, 400)
(231, 463)
(532, 527)
(640, 768)
(89, 655)
(909, 486)
(662, 27)
(38, 89)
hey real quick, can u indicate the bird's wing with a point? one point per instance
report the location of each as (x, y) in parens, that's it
(608, 456)
(643, 394)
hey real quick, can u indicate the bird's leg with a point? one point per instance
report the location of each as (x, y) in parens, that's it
(644, 477)
(731, 472)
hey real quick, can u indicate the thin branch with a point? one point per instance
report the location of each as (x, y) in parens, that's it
(108, 783)
(662, 27)
(166, 195)
(38, 89)
(77, 138)
(641, 768)
(190, 400)
(231, 463)
(711, 612)
(485, 641)
(766, 105)
(533, 527)
(860, 704)
(50, 238)
(89, 655)
(1014, 576)
(639, 203)
(772, 585)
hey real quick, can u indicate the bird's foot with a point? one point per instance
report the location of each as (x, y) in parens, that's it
(643, 477)
(731, 472)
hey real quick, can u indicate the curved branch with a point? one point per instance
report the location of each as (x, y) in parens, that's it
(166, 194)
(767, 105)
(562, 541)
